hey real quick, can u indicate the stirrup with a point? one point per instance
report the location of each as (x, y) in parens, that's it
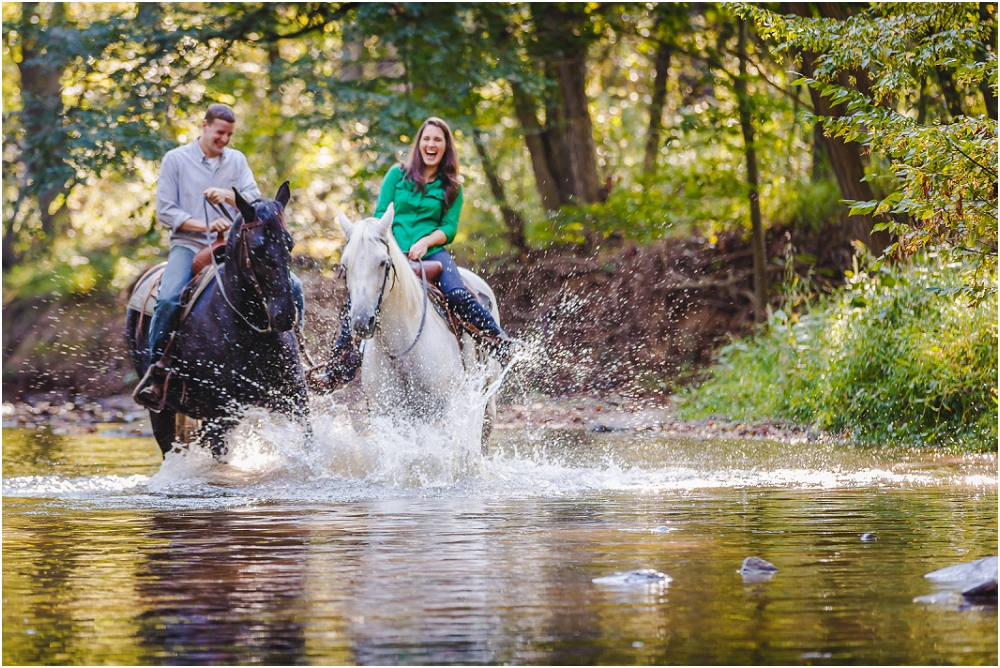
(151, 391)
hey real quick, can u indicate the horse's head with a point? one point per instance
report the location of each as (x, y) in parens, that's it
(260, 249)
(369, 267)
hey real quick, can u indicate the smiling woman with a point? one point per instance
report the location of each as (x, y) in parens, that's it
(426, 200)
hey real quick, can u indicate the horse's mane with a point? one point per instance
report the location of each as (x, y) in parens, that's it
(404, 280)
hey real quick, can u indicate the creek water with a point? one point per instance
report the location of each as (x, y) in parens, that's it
(403, 548)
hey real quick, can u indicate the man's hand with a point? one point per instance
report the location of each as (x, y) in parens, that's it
(418, 249)
(219, 225)
(195, 225)
(219, 195)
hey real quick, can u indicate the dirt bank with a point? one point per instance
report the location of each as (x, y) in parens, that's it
(119, 415)
(632, 320)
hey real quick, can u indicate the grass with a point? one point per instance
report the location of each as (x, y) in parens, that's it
(894, 358)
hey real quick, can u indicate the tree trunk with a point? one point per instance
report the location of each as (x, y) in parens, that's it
(525, 109)
(756, 224)
(586, 183)
(41, 92)
(845, 158)
(663, 52)
(951, 95)
(511, 218)
(563, 154)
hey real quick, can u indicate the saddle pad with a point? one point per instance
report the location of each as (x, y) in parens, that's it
(144, 294)
(148, 289)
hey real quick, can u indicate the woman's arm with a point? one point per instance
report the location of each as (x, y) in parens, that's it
(388, 190)
(419, 248)
(449, 225)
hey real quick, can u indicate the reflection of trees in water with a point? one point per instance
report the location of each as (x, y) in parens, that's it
(226, 590)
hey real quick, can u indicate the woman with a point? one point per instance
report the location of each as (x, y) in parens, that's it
(427, 200)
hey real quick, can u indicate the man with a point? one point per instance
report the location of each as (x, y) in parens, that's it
(191, 176)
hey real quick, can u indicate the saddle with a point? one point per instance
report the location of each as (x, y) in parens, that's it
(458, 326)
(147, 289)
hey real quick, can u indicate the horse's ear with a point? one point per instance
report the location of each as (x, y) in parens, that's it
(386, 223)
(345, 224)
(245, 209)
(284, 194)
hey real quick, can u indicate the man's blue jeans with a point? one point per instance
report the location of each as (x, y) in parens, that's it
(168, 303)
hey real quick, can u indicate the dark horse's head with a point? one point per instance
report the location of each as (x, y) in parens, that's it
(260, 249)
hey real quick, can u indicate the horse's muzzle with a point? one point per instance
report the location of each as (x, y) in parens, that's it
(364, 326)
(282, 318)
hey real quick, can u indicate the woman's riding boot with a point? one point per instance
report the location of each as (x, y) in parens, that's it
(467, 307)
(345, 360)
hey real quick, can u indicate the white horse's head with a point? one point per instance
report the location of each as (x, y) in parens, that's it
(373, 265)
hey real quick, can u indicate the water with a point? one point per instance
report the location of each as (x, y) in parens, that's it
(403, 548)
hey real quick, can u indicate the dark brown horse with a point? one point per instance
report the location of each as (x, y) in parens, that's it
(236, 348)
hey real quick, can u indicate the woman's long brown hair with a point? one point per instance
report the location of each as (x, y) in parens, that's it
(447, 168)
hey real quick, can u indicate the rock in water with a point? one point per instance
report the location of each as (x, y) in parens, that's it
(755, 570)
(971, 573)
(639, 578)
(977, 579)
(756, 565)
(986, 590)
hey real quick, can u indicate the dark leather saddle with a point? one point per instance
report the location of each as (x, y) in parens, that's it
(432, 269)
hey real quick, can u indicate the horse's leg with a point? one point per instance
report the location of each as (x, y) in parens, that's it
(488, 419)
(164, 424)
(213, 434)
(297, 408)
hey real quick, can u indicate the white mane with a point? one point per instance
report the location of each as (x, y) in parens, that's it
(403, 285)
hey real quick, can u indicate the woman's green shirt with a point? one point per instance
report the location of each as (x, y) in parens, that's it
(417, 214)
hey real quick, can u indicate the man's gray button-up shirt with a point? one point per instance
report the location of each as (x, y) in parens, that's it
(185, 174)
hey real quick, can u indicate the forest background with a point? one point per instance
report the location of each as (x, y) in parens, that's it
(646, 178)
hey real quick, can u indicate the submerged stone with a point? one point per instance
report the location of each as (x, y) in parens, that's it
(756, 565)
(639, 578)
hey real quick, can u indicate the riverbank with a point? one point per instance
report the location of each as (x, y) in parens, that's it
(65, 414)
(634, 320)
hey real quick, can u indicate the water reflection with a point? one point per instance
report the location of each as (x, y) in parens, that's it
(496, 569)
(223, 588)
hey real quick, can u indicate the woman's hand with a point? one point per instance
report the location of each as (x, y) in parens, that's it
(418, 250)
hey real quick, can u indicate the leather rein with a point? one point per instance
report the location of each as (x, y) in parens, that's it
(390, 266)
(245, 255)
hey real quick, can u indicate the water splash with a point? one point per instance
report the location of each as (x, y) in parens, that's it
(271, 458)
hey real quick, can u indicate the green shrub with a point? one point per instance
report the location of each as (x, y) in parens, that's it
(894, 358)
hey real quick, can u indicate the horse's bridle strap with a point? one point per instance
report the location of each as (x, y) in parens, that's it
(253, 275)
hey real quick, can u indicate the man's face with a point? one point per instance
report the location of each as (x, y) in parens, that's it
(215, 136)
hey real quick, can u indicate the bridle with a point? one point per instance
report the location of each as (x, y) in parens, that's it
(245, 256)
(390, 266)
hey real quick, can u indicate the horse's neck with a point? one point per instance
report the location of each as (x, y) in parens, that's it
(402, 305)
(234, 282)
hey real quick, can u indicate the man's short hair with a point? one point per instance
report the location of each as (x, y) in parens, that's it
(220, 111)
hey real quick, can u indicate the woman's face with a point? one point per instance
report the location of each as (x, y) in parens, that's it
(432, 145)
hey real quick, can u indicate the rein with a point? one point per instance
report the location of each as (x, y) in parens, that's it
(253, 275)
(378, 305)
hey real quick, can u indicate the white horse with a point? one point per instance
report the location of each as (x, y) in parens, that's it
(412, 365)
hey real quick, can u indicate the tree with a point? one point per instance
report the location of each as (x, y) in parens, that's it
(946, 172)
(756, 224)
